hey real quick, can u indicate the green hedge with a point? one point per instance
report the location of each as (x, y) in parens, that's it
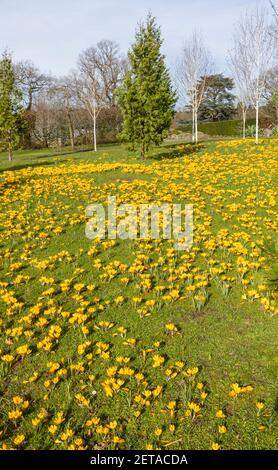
(231, 128)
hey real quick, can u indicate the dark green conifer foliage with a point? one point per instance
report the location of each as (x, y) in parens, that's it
(11, 110)
(147, 98)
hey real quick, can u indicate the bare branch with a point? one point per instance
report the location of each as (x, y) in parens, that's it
(251, 59)
(30, 80)
(194, 64)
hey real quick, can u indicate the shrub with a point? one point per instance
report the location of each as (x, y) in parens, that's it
(230, 128)
(251, 131)
(275, 131)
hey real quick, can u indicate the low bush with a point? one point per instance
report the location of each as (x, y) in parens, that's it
(231, 128)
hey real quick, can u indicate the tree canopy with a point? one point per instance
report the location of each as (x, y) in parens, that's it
(218, 101)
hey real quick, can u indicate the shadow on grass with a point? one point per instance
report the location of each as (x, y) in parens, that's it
(169, 151)
(66, 152)
(177, 151)
(32, 165)
(51, 156)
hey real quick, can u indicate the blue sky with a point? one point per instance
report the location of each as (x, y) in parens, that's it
(51, 33)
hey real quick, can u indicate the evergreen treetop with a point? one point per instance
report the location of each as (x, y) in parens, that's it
(147, 98)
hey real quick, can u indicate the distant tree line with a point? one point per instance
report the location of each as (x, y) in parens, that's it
(110, 96)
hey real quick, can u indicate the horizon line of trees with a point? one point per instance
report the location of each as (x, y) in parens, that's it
(110, 94)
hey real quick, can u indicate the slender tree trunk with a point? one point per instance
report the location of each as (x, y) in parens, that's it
(142, 152)
(71, 131)
(27, 138)
(10, 147)
(193, 122)
(95, 130)
(28, 112)
(257, 123)
(10, 153)
(30, 101)
(196, 126)
(244, 123)
(45, 141)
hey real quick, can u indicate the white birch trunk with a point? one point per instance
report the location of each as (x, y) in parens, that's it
(95, 129)
(196, 126)
(193, 122)
(257, 123)
(244, 123)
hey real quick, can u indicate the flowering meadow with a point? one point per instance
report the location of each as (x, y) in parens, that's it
(113, 344)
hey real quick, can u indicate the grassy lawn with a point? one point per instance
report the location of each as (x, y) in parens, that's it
(131, 344)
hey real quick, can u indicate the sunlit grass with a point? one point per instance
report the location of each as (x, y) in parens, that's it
(129, 344)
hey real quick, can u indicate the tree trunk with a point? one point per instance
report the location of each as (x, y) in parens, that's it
(95, 130)
(10, 153)
(10, 147)
(71, 131)
(196, 126)
(257, 123)
(244, 123)
(30, 101)
(193, 122)
(142, 152)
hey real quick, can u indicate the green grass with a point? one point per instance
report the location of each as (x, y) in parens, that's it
(229, 339)
(105, 153)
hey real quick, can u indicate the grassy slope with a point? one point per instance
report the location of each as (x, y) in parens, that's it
(230, 341)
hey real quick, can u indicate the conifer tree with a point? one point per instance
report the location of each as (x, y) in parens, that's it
(11, 110)
(146, 97)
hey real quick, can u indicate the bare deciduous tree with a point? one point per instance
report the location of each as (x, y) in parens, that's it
(88, 93)
(253, 54)
(49, 120)
(108, 65)
(191, 71)
(30, 80)
(271, 88)
(102, 70)
(238, 69)
(65, 92)
(274, 29)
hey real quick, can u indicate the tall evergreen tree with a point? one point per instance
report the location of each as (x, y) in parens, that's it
(147, 98)
(11, 110)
